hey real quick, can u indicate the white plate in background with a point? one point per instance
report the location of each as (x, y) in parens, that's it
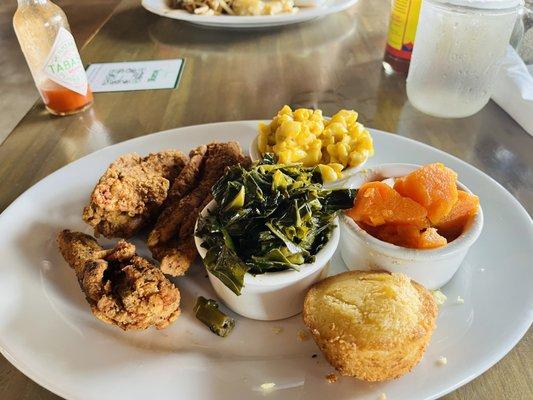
(48, 332)
(160, 7)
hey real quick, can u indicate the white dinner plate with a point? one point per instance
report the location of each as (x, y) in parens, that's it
(160, 7)
(48, 332)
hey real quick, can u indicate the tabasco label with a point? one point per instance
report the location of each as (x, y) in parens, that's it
(402, 28)
(64, 65)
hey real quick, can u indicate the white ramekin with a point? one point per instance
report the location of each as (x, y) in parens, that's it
(256, 155)
(273, 295)
(432, 268)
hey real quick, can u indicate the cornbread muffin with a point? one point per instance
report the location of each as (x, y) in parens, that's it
(371, 325)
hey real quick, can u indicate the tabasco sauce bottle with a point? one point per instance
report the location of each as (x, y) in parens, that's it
(401, 37)
(44, 35)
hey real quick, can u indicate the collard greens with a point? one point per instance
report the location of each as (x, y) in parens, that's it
(270, 217)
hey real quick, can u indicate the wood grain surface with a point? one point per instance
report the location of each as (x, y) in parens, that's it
(330, 63)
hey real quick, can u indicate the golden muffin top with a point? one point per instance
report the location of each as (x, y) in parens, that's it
(374, 310)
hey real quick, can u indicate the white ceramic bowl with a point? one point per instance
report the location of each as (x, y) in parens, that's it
(432, 268)
(273, 295)
(256, 155)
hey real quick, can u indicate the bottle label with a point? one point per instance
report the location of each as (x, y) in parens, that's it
(402, 27)
(63, 65)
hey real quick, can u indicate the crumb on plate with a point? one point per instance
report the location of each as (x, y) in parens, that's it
(440, 298)
(277, 330)
(382, 396)
(331, 378)
(303, 335)
(460, 300)
(442, 360)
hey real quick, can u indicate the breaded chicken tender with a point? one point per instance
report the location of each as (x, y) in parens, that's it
(130, 193)
(370, 325)
(122, 288)
(172, 239)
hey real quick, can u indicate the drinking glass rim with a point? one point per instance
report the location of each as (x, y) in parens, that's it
(485, 7)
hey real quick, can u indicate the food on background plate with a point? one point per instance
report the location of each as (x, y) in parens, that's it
(122, 288)
(424, 209)
(373, 326)
(235, 7)
(267, 218)
(172, 239)
(206, 310)
(305, 136)
(131, 191)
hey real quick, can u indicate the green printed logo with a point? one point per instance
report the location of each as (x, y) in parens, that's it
(64, 65)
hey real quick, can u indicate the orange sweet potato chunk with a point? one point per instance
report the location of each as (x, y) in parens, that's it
(433, 186)
(430, 239)
(453, 224)
(400, 235)
(408, 236)
(378, 204)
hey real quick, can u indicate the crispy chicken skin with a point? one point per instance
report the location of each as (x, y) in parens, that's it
(122, 288)
(131, 192)
(171, 241)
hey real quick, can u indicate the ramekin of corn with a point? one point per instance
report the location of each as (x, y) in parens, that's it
(338, 145)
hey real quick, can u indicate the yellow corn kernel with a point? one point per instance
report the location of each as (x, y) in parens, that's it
(328, 173)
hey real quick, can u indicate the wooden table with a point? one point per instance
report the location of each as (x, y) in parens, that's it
(331, 63)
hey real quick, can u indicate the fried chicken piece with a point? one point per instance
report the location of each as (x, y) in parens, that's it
(171, 241)
(131, 192)
(122, 288)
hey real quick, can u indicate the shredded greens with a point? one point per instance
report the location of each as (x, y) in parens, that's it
(270, 217)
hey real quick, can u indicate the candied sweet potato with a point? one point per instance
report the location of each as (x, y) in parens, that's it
(430, 239)
(433, 186)
(400, 235)
(407, 236)
(453, 224)
(378, 204)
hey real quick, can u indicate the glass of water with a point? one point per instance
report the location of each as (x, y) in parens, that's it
(458, 47)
